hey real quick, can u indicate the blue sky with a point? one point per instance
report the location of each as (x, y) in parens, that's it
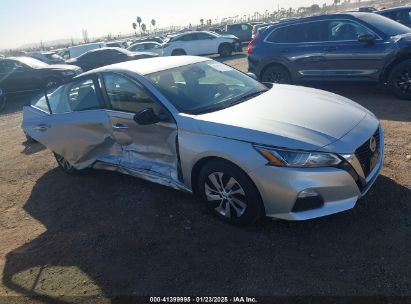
(28, 21)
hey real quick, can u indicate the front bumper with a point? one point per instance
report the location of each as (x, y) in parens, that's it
(280, 186)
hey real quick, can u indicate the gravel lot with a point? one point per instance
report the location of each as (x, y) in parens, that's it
(109, 234)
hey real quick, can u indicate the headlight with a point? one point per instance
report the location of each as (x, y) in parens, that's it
(290, 158)
(68, 73)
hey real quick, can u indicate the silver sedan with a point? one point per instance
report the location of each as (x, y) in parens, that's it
(247, 149)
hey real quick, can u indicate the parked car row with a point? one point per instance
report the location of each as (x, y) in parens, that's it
(25, 75)
(348, 47)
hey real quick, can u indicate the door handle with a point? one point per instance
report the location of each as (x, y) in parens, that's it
(41, 127)
(330, 49)
(119, 127)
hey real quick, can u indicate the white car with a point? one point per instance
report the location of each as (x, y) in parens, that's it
(201, 43)
(78, 50)
(150, 46)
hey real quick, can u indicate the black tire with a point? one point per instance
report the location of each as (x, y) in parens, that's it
(225, 50)
(3, 102)
(399, 80)
(236, 188)
(178, 53)
(276, 74)
(52, 82)
(66, 167)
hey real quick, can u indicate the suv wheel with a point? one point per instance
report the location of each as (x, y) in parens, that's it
(400, 80)
(225, 50)
(229, 193)
(66, 166)
(276, 74)
(178, 53)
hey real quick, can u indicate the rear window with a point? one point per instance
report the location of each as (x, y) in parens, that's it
(299, 33)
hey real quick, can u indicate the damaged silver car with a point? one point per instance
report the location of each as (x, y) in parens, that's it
(248, 149)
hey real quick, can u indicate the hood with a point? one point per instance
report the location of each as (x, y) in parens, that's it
(229, 36)
(139, 55)
(61, 67)
(403, 38)
(286, 116)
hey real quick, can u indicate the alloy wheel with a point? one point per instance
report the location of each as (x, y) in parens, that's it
(64, 163)
(403, 81)
(226, 195)
(275, 77)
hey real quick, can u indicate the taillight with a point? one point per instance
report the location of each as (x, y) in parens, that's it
(166, 45)
(250, 47)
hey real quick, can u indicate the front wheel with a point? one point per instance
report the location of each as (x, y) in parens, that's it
(276, 74)
(225, 50)
(400, 80)
(66, 166)
(52, 82)
(229, 193)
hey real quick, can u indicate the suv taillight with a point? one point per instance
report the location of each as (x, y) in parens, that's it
(250, 47)
(166, 45)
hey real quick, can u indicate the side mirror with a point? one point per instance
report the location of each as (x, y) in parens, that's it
(366, 38)
(146, 117)
(252, 75)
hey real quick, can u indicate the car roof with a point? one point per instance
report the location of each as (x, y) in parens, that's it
(145, 42)
(150, 65)
(319, 17)
(392, 9)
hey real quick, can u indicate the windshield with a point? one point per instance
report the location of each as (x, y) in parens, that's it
(387, 26)
(205, 87)
(32, 62)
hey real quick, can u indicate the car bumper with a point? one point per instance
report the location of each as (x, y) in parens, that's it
(280, 188)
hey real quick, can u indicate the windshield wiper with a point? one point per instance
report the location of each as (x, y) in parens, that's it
(246, 97)
(224, 105)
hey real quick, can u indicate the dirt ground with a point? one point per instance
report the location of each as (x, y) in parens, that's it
(106, 234)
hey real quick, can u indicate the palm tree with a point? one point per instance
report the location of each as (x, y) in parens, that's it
(336, 2)
(202, 22)
(139, 21)
(153, 23)
(135, 27)
(144, 28)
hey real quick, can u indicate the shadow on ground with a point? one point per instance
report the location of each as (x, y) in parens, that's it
(110, 234)
(16, 103)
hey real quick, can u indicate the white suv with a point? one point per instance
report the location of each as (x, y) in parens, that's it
(201, 43)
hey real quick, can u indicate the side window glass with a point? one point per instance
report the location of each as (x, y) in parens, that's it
(278, 35)
(202, 36)
(343, 30)
(125, 95)
(81, 95)
(244, 27)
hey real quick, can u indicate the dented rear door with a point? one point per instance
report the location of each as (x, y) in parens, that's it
(78, 127)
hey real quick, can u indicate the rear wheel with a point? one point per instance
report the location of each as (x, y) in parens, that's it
(52, 82)
(225, 50)
(178, 53)
(400, 80)
(276, 74)
(229, 193)
(66, 166)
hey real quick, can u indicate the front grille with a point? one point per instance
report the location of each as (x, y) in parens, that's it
(366, 157)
